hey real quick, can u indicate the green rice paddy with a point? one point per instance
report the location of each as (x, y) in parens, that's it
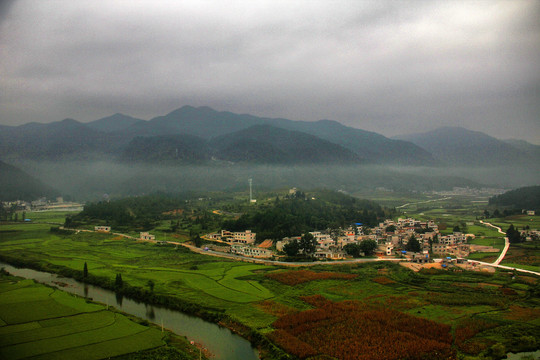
(39, 322)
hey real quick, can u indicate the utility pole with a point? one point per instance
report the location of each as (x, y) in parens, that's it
(250, 190)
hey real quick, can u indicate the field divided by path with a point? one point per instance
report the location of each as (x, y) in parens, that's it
(43, 323)
(218, 280)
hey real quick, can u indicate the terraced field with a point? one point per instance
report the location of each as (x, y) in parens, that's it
(43, 323)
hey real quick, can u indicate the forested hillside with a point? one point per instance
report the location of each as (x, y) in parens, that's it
(527, 198)
(301, 213)
(286, 215)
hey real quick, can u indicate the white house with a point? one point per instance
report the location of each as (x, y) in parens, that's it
(147, 237)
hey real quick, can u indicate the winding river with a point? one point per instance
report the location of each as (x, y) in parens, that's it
(219, 341)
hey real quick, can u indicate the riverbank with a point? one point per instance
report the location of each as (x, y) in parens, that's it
(203, 334)
(40, 320)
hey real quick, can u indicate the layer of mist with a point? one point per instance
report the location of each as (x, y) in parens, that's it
(83, 181)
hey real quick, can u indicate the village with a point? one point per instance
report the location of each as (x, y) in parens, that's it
(391, 238)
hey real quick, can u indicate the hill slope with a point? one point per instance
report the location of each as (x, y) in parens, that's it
(269, 144)
(527, 198)
(58, 140)
(166, 148)
(459, 146)
(15, 184)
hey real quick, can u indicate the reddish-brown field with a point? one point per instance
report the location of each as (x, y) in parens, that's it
(274, 308)
(301, 276)
(351, 330)
(522, 313)
(383, 280)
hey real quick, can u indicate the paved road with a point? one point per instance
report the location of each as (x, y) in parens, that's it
(423, 202)
(508, 267)
(506, 242)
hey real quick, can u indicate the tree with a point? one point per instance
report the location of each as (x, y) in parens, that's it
(456, 229)
(353, 250)
(486, 214)
(368, 247)
(151, 285)
(390, 228)
(23, 215)
(497, 351)
(291, 248)
(197, 240)
(85, 270)
(118, 282)
(308, 244)
(413, 244)
(513, 234)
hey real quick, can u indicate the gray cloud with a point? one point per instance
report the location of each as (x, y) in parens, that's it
(390, 67)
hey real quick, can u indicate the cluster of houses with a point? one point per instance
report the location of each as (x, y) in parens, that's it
(391, 238)
(42, 204)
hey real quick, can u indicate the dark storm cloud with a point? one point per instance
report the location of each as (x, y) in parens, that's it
(391, 67)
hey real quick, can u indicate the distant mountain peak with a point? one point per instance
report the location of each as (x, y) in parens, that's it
(116, 122)
(69, 121)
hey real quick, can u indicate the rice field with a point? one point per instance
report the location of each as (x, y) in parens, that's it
(39, 322)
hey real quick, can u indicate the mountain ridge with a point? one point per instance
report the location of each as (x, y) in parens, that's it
(111, 136)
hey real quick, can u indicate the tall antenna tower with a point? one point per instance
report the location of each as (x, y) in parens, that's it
(250, 181)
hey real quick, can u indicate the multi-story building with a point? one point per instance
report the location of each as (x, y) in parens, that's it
(244, 237)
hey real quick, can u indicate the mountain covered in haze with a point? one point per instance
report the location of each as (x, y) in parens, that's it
(15, 184)
(114, 137)
(461, 147)
(55, 141)
(203, 135)
(259, 144)
(116, 122)
(526, 147)
(270, 144)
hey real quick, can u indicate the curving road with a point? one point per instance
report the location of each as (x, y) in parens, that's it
(506, 242)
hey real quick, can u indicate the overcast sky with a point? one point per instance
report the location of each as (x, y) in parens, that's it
(393, 67)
